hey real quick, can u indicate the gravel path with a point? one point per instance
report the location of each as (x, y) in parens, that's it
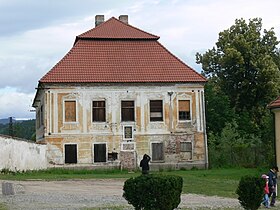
(82, 194)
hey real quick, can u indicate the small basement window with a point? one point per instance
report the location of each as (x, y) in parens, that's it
(186, 146)
(112, 156)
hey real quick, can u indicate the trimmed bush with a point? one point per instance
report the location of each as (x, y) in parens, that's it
(250, 192)
(153, 192)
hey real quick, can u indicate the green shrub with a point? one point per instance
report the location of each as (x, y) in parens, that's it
(157, 192)
(250, 192)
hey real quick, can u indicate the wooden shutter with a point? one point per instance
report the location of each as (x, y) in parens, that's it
(70, 111)
(184, 105)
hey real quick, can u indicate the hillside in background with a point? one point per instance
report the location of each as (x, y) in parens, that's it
(6, 121)
(22, 129)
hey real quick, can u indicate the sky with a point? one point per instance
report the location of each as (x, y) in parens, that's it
(35, 35)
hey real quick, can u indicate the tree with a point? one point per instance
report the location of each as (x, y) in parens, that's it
(218, 108)
(245, 65)
(250, 192)
(243, 74)
(24, 129)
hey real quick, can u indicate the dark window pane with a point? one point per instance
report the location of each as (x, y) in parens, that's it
(127, 110)
(98, 111)
(183, 115)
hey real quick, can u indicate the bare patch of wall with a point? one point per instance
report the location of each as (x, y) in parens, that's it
(20, 155)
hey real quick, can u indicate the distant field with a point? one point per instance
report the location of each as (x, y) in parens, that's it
(220, 182)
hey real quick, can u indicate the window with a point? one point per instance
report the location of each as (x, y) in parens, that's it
(41, 115)
(184, 110)
(128, 132)
(70, 111)
(127, 110)
(157, 151)
(98, 111)
(70, 153)
(186, 146)
(156, 113)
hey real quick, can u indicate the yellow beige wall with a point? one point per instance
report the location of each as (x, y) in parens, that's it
(85, 133)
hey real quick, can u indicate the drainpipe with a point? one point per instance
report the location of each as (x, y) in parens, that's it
(170, 112)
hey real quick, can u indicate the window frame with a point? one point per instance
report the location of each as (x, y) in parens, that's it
(189, 115)
(98, 108)
(156, 119)
(132, 132)
(127, 108)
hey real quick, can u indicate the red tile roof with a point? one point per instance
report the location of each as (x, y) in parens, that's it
(117, 52)
(275, 104)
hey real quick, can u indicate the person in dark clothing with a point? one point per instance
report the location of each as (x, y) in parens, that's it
(272, 182)
(144, 164)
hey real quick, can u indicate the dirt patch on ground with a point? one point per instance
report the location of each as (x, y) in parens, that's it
(82, 194)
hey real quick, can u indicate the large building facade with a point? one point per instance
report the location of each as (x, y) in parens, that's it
(117, 95)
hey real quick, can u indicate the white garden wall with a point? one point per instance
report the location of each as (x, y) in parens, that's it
(20, 155)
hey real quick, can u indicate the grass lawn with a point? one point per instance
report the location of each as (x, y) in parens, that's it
(220, 182)
(3, 207)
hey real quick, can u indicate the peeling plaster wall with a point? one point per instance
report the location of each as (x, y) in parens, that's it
(19, 155)
(85, 133)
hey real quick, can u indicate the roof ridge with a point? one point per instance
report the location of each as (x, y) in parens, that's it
(97, 33)
(131, 26)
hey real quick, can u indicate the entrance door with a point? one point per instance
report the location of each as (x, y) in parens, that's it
(70, 153)
(99, 153)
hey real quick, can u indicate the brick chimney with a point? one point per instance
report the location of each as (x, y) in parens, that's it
(99, 19)
(124, 18)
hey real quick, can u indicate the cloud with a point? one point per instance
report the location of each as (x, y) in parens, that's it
(15, 104)
(19, 16)
(35, 35)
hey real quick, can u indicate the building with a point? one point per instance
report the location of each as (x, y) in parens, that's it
(118, 94)
(274, 106)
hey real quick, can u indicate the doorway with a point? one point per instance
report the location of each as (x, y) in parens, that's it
(70, 153)
(99, 153)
